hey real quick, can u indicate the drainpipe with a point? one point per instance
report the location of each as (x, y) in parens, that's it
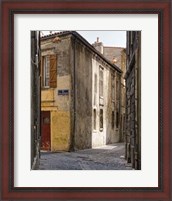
(39, 90)
(72, 145)
(119, 118)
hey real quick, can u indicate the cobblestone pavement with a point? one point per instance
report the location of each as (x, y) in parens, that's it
(109, 157)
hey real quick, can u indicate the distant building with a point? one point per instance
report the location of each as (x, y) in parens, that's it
(80, 94)
(35, 98)
(117, 56)
(133, 99)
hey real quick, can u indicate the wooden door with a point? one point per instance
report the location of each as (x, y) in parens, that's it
(45, 131)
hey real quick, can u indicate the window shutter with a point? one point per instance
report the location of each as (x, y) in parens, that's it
(53, 71)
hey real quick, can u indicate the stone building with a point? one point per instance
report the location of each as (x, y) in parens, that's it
(80, 95)
(133, 99)
(116, 55)
(35, 98)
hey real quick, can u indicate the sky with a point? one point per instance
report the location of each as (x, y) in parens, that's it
(108, 38)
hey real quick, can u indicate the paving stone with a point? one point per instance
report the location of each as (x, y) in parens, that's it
(109, 157)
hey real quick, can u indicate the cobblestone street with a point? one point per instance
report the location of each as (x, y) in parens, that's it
(109, 157)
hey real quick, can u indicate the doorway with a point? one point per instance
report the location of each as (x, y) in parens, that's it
(45, 131)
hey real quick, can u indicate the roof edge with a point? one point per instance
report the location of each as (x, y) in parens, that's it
(85, 42)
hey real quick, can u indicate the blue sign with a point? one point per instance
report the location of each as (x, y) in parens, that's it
(63, 92)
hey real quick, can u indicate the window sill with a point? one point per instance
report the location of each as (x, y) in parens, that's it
(45, 87)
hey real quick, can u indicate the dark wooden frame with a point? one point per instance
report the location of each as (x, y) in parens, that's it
(11, 7)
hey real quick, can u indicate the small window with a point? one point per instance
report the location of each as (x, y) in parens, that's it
(95, 88)
(46, 71)
(117, 88)
(113, 118)
(117, 119)
(95, 83)
(94, 111)
(101, 82)
(49, 71)
(101, 119)
(113, 88)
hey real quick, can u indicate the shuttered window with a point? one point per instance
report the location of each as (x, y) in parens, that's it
(49, 71)
(53, 71)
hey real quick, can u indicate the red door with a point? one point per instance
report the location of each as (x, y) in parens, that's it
(45, 131)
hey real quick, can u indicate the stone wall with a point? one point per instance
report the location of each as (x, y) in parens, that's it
(133, 99)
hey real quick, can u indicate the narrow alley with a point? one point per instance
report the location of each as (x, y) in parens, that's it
(88, 99)
(109, 157)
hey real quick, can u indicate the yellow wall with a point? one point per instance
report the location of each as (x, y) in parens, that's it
(47, 95)
(59, 107)
(60, 131)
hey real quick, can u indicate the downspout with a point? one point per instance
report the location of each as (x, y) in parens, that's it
(72, 146)
(120, 127)
(74, 66)
(39, 91)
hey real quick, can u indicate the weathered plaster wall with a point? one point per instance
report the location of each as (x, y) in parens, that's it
(98, 137)
(60, 129)
(109, 134)
(83, 97)
(59, 105)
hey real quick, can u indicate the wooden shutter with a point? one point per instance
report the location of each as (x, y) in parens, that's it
(53, 71)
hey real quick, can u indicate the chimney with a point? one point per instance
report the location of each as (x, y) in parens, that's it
(98, 45)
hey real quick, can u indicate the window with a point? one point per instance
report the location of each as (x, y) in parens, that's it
(49, 71)
(94, 116)
(117, 119)
(117, 88)
(95, 83)
(101, 82)
(46, 71)
(101, 119)
(113, 87)
(113, 118)
(95, 88)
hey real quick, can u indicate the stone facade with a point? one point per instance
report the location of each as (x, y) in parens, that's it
(79, 117)
(133, 99)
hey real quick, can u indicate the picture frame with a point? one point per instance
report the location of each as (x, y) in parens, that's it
(160, 7)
